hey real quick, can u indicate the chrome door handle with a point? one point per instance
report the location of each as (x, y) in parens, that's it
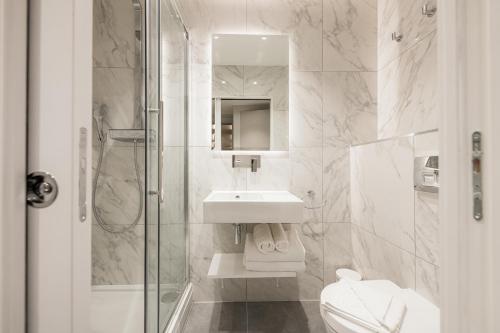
(42, 189)
(161, 153)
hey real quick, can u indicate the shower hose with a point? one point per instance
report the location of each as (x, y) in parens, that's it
(97, 216)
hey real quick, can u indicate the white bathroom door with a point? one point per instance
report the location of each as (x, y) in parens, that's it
(469, 53)
(13, 66)
(59, 113)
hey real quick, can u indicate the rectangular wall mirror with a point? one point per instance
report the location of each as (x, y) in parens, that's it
(250, 95)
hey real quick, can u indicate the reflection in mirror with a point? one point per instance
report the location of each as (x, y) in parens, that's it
(245, 124)
(250, 92)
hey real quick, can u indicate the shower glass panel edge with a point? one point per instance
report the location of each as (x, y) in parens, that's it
(166, 95)
(152, 146)
(172, 275)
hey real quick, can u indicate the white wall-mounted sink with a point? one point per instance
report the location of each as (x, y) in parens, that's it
(252, 207)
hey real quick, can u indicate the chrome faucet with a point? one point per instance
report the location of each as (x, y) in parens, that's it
(253, 164)
(247, 161)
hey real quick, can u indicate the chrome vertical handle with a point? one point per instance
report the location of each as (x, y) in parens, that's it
(477, 186)
(160, 153)
(82, 175)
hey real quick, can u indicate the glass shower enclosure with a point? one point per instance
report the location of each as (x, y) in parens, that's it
(166, 73)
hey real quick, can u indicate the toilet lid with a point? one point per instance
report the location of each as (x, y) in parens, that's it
(421, 315)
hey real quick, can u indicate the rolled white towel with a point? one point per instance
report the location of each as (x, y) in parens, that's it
(280, 237)
(263, 238)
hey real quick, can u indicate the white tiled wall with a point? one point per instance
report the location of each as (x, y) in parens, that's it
(395, 228)
(342, 93)
(332, 104)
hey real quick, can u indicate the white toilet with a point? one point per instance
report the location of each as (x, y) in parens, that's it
(421, 315)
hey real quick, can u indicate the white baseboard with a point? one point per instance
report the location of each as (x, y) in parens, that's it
(180, 314)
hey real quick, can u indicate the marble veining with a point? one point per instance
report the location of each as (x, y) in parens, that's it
(113, 96)
(117, 194)
(301, 19)
(349, 108)
(427, 280)
(271, 81)
(336, 185)
(117, 258)
(306, 109)
(337, 249)
(227, 81)
(350, 35)
(407, 94)
(405, 17)
(205, 240)
(113, 34)
(384, 167)
(376, 258)
(376, 251)
(427, 226)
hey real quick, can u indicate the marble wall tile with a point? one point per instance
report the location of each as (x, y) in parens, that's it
(200, 119)
(306, 114)
(200, 108)
(337, 249)
(172, 253)
(427, 144)
(407, 94)
(210, 171)
(113, 96)
(405, 17)
(117, 258)
(349, 108)
(172, 210)
(274, 173)
(117, 195)
(204, 18)
(375, 258)
(427, 206)
(113, 34)
(174, 122)
(173, 90)
(227, 81)
(279, 130)
(272, 81)
(205, 241)
(384, 168)
(427, 226)
(336, 185)
(349, 35)
(427, 281)
(199, 182)
(306, 175)
(307, 285)
(302, 19)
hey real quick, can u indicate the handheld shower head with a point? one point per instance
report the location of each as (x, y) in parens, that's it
(98, 116)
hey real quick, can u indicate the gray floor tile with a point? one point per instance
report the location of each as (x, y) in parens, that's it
(281, 317)
(217, 317)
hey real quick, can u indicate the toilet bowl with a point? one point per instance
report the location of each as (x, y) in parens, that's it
(421, 315)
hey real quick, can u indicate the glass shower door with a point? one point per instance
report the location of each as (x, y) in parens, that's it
(172, 220)
(166, 163)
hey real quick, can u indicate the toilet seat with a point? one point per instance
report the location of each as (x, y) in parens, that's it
(421, 315)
